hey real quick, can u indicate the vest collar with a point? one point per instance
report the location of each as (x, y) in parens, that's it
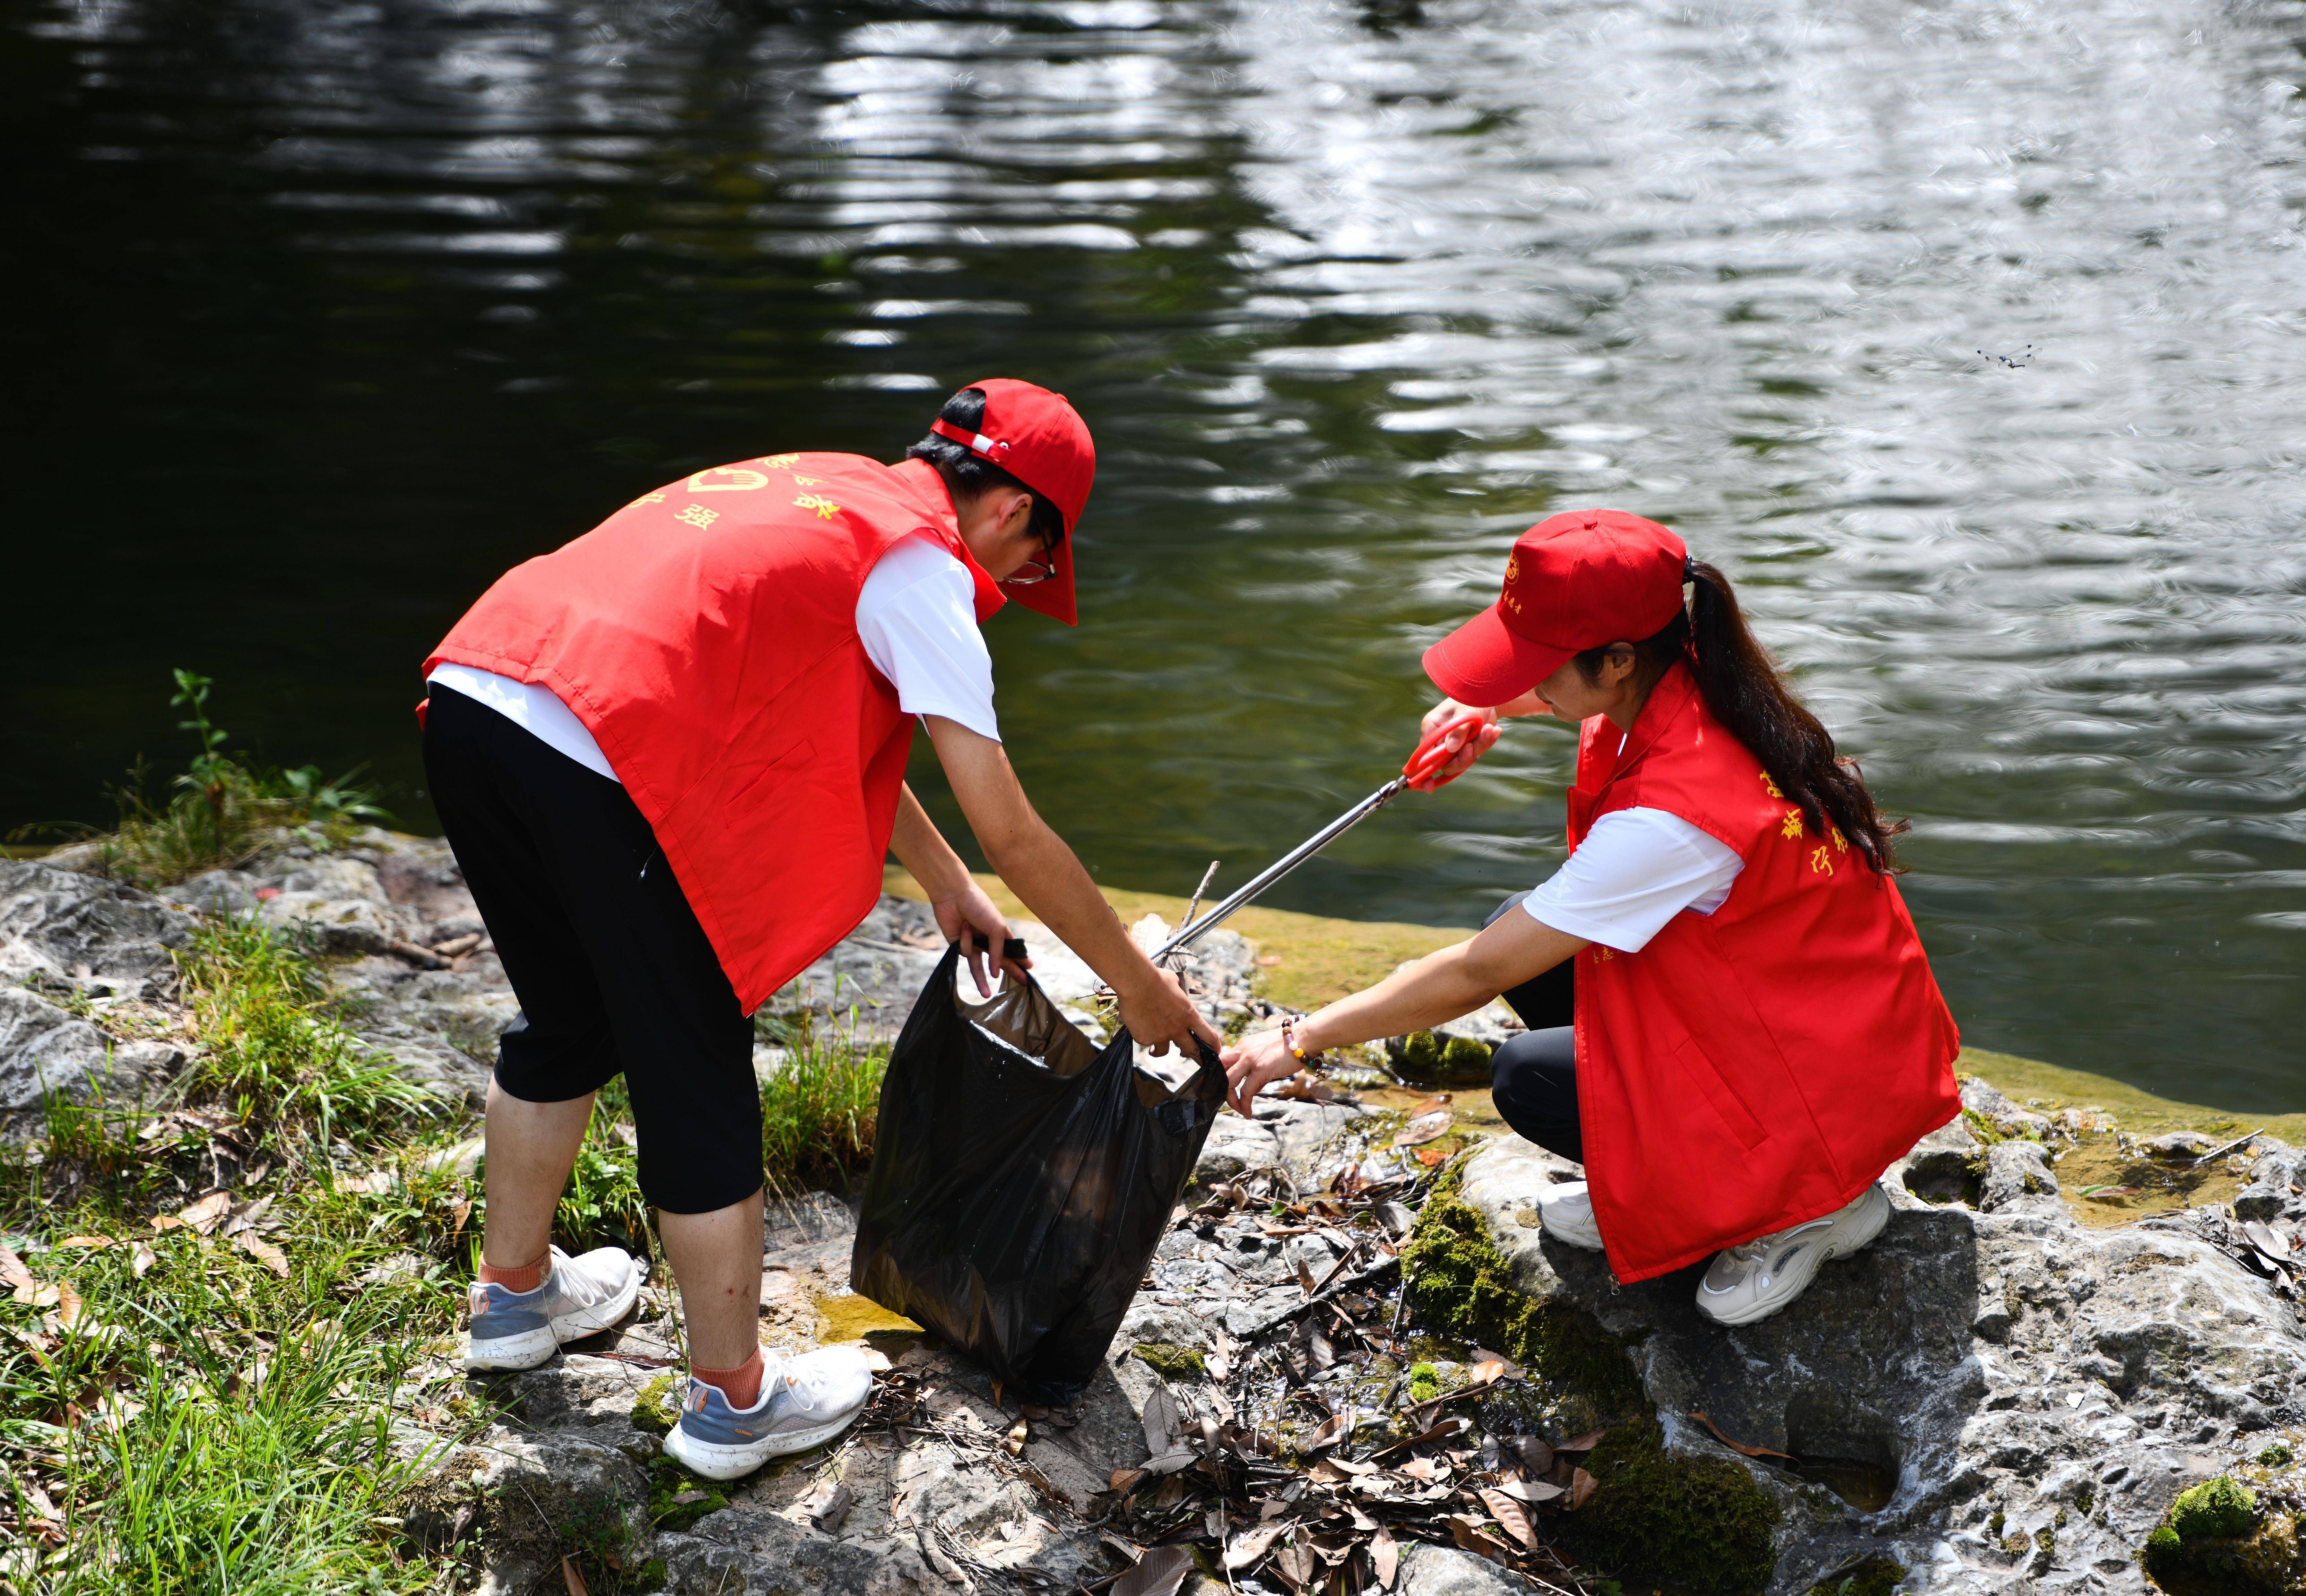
(924, 480)
(1602, 760)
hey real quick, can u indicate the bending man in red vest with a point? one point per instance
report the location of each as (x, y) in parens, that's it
(670, 757)
(1732, 1024)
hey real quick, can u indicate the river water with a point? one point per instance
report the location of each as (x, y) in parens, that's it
(1969, 335)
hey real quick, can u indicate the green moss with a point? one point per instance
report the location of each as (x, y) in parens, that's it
(1462, 1285)
(1424, 1382)
(1464, 1052)
(1697, 1523)
(2215, 1509)
(2164, 1553)
(1877, 1576)
(667, 1482)
(1171, 1362)
(2274, 1456)
(657, 1408)
(1421, 1053)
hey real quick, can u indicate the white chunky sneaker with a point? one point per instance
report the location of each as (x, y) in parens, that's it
(580, 1297)
(805, 1402)
(1568, 1212)
(1753, 1280)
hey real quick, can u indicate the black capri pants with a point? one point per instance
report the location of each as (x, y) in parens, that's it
(1533, 1077)
(612, 971)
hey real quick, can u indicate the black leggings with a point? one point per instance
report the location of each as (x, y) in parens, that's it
(1533, 1077)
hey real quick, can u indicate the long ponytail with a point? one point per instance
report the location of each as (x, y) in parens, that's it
(1744, 691)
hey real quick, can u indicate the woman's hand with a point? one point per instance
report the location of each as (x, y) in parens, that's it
(1470, 744)
(969, 908)
(1260, 1059)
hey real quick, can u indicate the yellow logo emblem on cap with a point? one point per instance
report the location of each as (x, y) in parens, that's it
(1512, 570)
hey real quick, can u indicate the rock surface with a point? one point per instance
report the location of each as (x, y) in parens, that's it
(2031, 1394)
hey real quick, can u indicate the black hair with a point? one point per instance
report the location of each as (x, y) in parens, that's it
(968, 474)
(1743, 689)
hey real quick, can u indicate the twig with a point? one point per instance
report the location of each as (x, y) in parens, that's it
(1383, 1266)
(2230, 1147)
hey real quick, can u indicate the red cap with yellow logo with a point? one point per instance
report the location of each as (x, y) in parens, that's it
(1575, 581)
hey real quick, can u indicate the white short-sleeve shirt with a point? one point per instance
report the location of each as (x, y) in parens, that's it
(916, 617)
(1636, 870)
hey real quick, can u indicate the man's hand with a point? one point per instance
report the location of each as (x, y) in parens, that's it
(1159, 1016)
(969, 908)
(1260, 1059)
(1470, 744)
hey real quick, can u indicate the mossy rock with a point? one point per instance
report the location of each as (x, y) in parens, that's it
(667, 1483)
(2215, 1542)
(1424, 1382)
(2276, 1455)
(1463, 1286)
(1431, 1058)
(1877, 1576)
(657, 1407)
(1694, 1524)
(2216, 1509)
(1171, 1362)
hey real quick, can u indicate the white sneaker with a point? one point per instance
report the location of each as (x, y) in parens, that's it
(579, 1297)
(1755, 1279)
(805, 1402)
(1567, 1213)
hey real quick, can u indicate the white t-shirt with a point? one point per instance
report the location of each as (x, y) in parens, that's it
(1636, 870)
(916, 617)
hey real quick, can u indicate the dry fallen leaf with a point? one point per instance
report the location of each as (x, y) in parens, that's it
(1536, 1455)
(1252, 1544)
(205, 1214)
(1582, 1487)
(572, 1579)
(1219, 1359)
(1385, 1557)
(140, 1259)
(1737, 1446)
(1333, 1429)
(164, 1223)
(1583, 1443)
(1295, 1563)
(15, 1273)
(69, 1308)
(1531, 1490)
(1423, 1128)
(1158, 1572)
(1124, 1480)
(1470, 1538)
(1014, 1443)
(1430, 1156)
(263, 1253)
(85, 1242)
(1511, 1517)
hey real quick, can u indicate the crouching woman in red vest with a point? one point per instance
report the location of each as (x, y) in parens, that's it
(670, 757)
(1732, 1024)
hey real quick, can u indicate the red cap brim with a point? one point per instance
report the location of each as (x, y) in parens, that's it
(1484, 663)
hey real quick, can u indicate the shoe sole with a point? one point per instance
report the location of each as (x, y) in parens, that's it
(716, 1462)
(1856, 1239)
(532, 1348)
(1567, 1240)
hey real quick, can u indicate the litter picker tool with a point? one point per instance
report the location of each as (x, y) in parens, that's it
(1431, 754)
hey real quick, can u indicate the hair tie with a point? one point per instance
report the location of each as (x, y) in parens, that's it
(1689, 568)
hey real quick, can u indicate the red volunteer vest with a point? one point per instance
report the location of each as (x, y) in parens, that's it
(706, 636)
(1757, 1067)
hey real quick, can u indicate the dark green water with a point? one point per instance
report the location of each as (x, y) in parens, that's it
(327, 312)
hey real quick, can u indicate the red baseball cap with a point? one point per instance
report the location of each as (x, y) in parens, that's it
(1574, 581)
(1038, 437)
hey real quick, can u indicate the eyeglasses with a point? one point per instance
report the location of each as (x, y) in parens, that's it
(1032, 571)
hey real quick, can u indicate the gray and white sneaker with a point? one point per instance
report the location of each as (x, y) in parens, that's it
(1755, 1279)
(580, 1297)
(805, 1402)
(1567, 1213)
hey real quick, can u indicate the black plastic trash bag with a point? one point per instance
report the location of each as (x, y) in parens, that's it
(1021, 1181)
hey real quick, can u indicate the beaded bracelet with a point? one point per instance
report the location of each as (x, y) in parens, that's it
(1289, 1040)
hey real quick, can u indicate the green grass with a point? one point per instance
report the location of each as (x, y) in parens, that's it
(819, 1111)
(220, 813)
(199, 1422)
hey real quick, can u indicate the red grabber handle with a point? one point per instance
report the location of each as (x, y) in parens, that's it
(1434, 753)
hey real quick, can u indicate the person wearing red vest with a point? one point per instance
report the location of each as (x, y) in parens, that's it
(670, 757)
(1732, 1024)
